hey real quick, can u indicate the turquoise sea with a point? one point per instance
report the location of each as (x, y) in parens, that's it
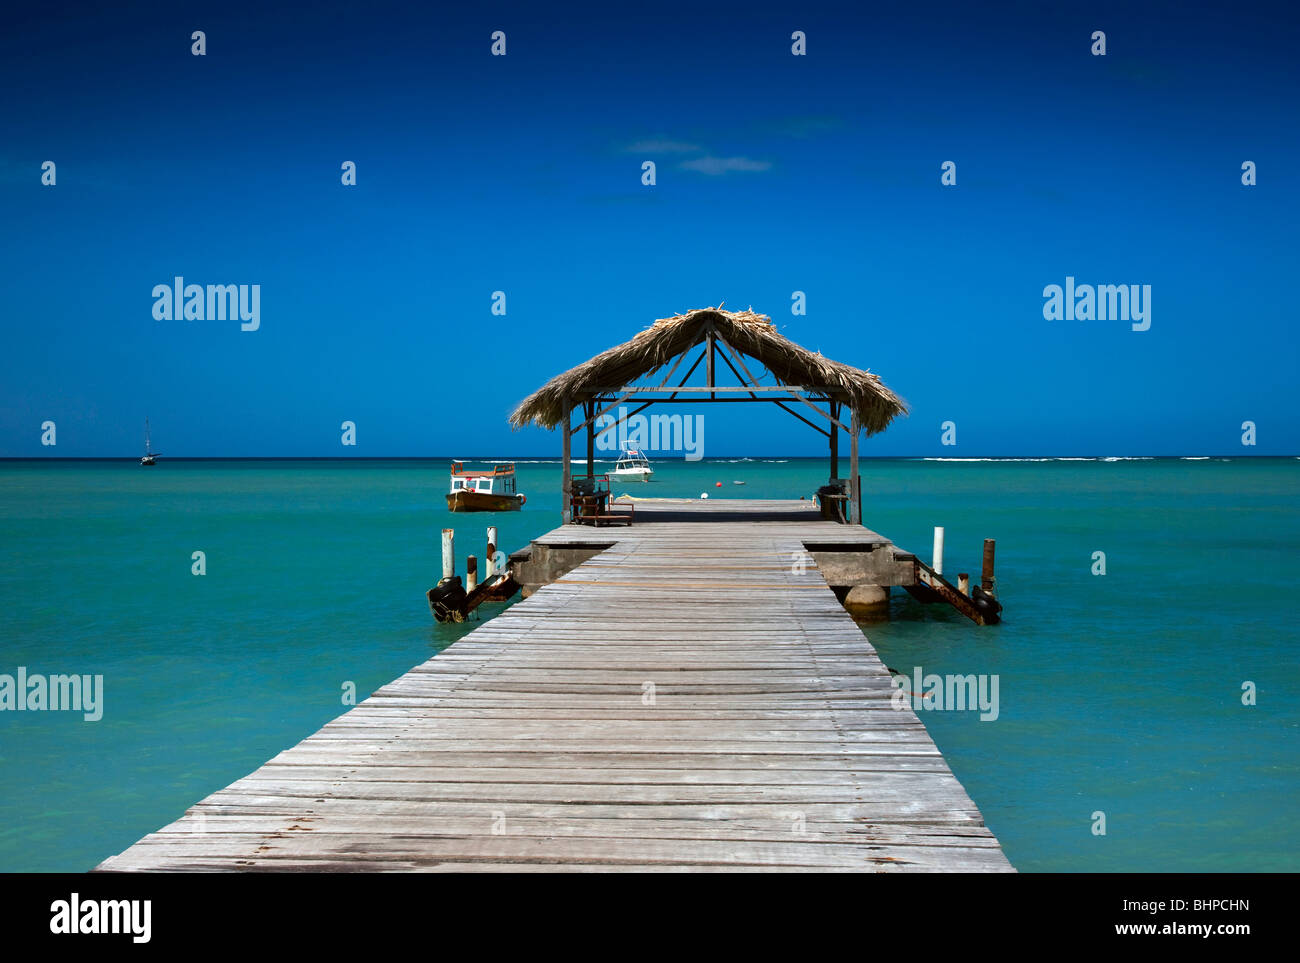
(1120, 693)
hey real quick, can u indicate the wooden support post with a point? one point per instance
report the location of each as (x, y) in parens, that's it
(448, 553)
(963, 583)
(471, 573)
(937, 564)
(565, 479)
(855, 492)
(589, 408)
(709, 362)
(835, 441)
(492, 550)
(987, 581)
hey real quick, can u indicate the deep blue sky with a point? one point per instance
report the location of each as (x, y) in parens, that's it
(478, 173)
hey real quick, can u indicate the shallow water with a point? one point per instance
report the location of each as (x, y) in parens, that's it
(1118, 693)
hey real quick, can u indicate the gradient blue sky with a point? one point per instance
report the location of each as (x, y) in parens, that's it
(522, 173)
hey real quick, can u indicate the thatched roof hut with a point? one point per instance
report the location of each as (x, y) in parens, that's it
(745, 331)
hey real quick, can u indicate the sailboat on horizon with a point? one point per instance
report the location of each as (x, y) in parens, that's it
(150, 457)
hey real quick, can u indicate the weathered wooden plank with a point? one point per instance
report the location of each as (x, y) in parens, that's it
(562, 849)
(401, 800)
(776, 829)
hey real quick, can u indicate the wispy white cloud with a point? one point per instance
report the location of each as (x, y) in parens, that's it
(716, 166)
(706, 163)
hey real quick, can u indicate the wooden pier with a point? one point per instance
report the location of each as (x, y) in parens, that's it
(687, 695)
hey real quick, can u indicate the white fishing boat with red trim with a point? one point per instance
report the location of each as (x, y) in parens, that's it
(484, 491)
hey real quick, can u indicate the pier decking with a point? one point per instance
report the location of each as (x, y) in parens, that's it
(688, 699)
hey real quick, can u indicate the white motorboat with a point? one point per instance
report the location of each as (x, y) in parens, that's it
(632, 465)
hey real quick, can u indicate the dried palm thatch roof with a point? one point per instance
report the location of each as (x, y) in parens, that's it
(745, 331)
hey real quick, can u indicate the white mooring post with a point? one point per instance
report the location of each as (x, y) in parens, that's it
(471, 573)
(938, 551)
(448, 553)
(491, 552)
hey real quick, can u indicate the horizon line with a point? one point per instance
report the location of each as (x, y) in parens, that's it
(578, 460)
